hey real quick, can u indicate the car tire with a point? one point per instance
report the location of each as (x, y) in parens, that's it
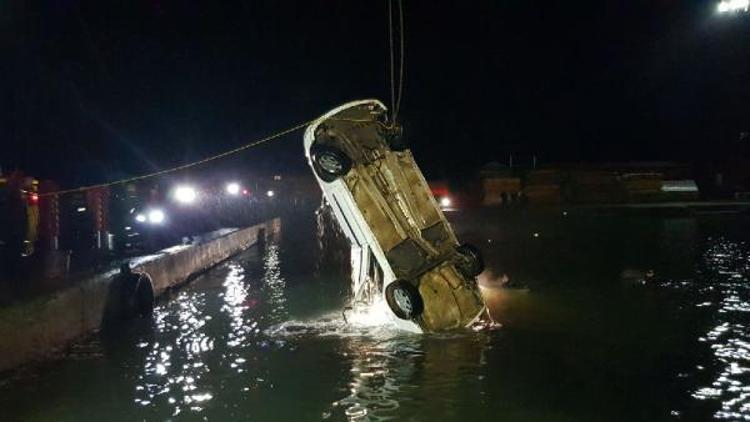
(404, 300)
(329, 162)
(469, 260)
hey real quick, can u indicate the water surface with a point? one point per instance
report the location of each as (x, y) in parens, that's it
(261, 337)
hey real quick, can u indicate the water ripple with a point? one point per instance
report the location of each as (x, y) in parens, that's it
(174, 365)
(726, 267)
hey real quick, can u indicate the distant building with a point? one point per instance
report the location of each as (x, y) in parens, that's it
(542, 186)
(605, 183)
(498, 185)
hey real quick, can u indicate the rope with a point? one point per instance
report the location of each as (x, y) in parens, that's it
(401, 60)
(393, 64)
(396, 95)
(183, 166)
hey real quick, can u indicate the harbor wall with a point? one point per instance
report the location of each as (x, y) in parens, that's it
(35, 329)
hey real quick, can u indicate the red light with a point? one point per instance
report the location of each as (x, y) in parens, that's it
(34, 198)
(245, 192)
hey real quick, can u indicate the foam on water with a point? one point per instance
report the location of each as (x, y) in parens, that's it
(369, 321)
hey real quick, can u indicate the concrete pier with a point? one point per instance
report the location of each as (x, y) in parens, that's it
(35, 329)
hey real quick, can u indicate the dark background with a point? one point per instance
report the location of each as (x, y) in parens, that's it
(92, 90)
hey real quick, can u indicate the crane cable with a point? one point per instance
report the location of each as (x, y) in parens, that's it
(183, 166)
(396, 94)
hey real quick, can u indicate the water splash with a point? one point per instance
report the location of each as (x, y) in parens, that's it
(370, 322)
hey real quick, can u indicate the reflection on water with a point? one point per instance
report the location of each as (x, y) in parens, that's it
(387, 369)
(179, 357)
(380, 363)
(174, 364)
(274, 283)
(380, 369)
(727, 267)
(234, 306)
(260, 338)
(388, 374)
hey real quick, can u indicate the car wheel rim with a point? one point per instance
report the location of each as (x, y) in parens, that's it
(330, 164)
(403, 301)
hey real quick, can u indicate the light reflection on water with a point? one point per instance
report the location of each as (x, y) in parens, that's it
(274, 283)
(725, 273)
(177, 358)
(380, 361)
(386, 368)
(174, 365)
(247, 341)
(192, 352)
(234, 306)
(378, 373)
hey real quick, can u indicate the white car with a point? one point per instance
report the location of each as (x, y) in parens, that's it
(404, 251)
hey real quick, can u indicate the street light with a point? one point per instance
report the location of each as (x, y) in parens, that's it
(731, 6)
(185, 194)
(233, 188)
(270, 194)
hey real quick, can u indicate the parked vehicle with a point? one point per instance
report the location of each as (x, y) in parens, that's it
(404, 250)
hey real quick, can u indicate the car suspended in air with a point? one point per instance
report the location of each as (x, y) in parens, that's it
(404, 251)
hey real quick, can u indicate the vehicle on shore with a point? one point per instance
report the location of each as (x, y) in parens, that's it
(404, 251)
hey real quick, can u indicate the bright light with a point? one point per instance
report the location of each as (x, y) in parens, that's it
(141, 218)
(726, 6)
(81, 209)
(445, 202)
(270, 194)
(185, 194)
(156, 216)
(233, 188)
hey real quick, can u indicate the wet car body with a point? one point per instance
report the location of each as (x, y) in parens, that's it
(403, 249)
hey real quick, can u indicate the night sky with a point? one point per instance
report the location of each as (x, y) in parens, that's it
(95, 90)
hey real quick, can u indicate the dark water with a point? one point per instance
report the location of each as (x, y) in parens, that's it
(261, 338)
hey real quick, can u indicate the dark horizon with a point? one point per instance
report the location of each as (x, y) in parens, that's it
(94, 91)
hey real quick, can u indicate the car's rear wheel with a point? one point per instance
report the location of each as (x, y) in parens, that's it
(329, 162)
(404, 299)
(469, 261)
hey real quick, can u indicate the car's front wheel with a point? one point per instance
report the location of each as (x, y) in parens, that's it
(404, 299)
(329, 162)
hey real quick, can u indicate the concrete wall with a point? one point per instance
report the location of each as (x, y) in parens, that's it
(35, 329)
